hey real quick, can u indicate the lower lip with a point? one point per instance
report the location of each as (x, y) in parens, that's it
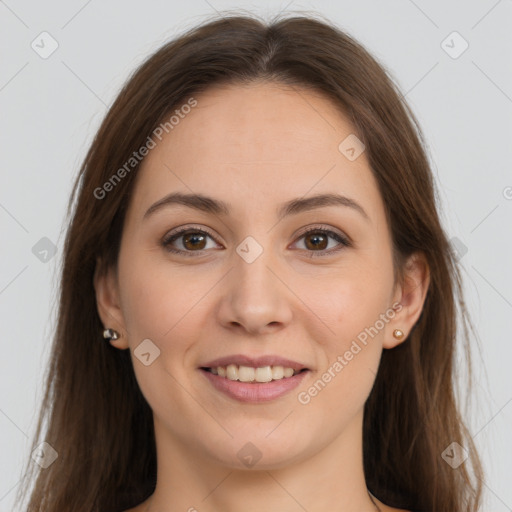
(254, 392)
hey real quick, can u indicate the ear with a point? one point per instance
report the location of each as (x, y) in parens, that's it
(409, 298)
(107, 302)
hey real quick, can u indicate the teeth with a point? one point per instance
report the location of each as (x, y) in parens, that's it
(246, 374)
(288, 372)
(263, 374)
(232, 372)
(277, 372)
(250, 374)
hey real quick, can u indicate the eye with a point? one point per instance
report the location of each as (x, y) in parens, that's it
(192, 240)
(317, 239)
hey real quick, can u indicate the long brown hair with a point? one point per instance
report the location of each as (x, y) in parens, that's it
(96, 417)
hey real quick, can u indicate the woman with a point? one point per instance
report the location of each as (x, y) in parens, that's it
(258, 301)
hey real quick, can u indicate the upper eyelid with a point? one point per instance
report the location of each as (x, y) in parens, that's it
(321, 227)
(182, 231)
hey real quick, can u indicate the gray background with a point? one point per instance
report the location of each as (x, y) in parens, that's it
(51, 108)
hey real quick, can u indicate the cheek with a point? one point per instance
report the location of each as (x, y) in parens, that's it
(351, 354)
(164, 307)
(158, 299)
(355, 301)
(355, 305)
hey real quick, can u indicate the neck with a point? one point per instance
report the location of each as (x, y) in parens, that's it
(332, 479)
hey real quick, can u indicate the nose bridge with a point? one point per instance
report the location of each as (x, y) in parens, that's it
(252, 273)
(255, 296)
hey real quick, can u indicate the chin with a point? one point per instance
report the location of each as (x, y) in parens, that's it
(257, 452)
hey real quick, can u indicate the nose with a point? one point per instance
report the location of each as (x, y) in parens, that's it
(257, 299)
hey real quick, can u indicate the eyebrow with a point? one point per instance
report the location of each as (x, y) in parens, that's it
(210, 205)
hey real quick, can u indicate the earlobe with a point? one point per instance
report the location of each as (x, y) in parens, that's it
(411, 296)
(107, 302)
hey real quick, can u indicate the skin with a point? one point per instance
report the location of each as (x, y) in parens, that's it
(255, 147)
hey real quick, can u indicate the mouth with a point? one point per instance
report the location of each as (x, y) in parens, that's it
(254, 380)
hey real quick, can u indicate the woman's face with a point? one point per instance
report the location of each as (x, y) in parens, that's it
(248, 287)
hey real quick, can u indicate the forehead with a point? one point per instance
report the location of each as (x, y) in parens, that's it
(263, 122)
(264, 141)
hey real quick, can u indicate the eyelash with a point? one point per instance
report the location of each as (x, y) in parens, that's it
(171, 237)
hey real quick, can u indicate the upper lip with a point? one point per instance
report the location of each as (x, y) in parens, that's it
(255, 362)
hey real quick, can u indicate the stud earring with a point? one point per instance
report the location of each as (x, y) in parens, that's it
(110, 334)
(398, 334)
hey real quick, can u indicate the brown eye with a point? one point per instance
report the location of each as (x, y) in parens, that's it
(316, 240)
(187, 241)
